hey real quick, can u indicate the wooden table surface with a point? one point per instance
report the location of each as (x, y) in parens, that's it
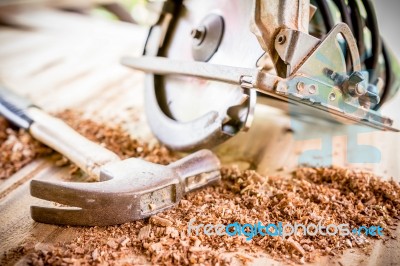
(64, 60)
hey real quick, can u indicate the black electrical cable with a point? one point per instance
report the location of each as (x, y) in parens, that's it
(388, 75)
(371, 63)
(345, 16)
(344, 13)
(326, 14)
(358, 26)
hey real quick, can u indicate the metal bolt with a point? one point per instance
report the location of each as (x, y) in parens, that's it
(281, 39)
(360, 89)
(196, 33)
(332, 96)
(312, 89)
(356, 84)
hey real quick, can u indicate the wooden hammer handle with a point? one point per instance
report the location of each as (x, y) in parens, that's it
(56, 134)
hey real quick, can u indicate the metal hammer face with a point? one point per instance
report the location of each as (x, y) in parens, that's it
(129, 190)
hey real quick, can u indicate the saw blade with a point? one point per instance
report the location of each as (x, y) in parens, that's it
(187, 98)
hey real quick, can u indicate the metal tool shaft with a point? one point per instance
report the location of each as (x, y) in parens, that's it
(246, 77)
(166, 66)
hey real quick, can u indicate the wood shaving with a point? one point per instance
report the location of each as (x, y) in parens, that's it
(331, 195)
(160, 221)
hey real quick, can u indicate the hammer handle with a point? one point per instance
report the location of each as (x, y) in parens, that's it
(56, 134)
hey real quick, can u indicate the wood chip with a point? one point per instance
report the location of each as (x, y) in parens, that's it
(294, 244)
(144, 232)
(160, 221)
(112, 244)
(348, 243)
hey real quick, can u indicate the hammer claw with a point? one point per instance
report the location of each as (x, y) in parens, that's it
(75, 194)
(75, 216)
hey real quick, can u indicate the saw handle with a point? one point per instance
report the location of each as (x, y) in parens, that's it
(56, 134)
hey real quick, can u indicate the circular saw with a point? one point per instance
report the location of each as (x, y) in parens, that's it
(208, 61)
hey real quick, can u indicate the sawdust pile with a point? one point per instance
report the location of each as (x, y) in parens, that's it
(17, 149)
(329, 195)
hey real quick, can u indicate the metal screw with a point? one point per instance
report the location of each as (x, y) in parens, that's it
(332, 96)
(312, 89)
(300, 86)
(356, 84)
(196, 33)
(281, 39)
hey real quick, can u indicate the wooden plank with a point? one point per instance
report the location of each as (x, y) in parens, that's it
(16, 224)
(22, 176)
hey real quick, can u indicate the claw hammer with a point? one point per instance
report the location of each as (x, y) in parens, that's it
(128, 190)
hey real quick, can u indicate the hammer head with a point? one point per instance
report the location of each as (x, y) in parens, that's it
(129, 190)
